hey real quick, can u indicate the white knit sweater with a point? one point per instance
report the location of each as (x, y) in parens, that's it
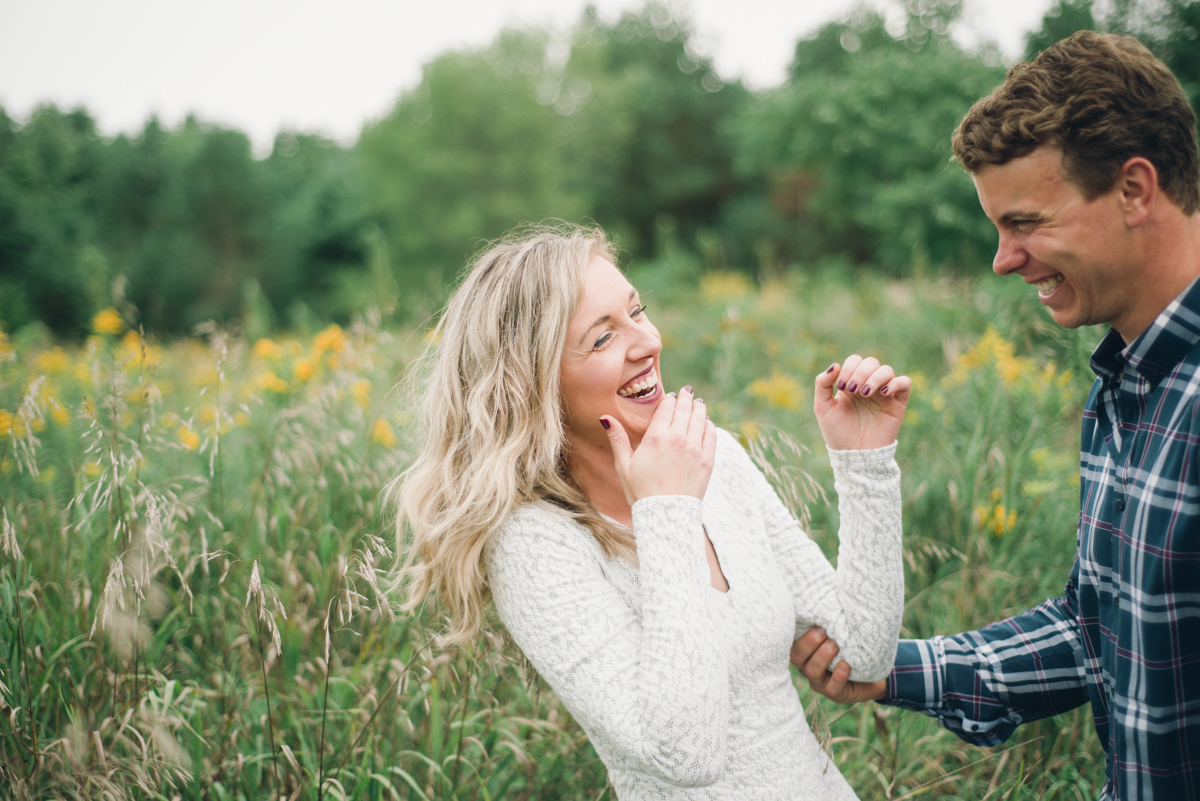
(684, 690)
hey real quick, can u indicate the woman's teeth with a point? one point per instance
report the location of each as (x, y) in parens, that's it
(642, 385)
(1049, 285)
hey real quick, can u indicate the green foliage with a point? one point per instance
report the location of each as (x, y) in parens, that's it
(855, 152)
(193, 605)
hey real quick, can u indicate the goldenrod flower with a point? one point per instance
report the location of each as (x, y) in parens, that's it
(780, 391)
(382, 434)
(61, 416)
(305, 369)
(724, 285)
(6, 349)
(189, 438)
(92, 469)
(52, 362)
(362, 393)
(273, 382)
(6, 422)
(267, 349)
(332, 340)
(108, 321)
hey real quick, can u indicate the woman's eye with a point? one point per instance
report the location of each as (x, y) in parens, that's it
(639, 310)
(601, 341)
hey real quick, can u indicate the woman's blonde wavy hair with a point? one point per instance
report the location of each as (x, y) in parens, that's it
(491, 434)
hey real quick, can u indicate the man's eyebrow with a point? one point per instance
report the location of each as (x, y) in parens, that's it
(1032, 216)
(600, 320)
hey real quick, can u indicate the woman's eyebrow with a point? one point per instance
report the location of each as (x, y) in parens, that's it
(601, 320)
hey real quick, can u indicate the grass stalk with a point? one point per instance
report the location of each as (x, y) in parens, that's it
(262, 661)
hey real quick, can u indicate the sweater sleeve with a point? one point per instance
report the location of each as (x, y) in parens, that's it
(652, 693)
(860, 603)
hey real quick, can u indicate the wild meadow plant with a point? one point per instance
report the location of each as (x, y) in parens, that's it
(192, 553)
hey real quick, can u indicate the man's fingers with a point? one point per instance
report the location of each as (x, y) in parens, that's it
(808, 643)
(818, 664)
(837, 680)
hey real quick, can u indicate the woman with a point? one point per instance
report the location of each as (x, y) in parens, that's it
(634, 552)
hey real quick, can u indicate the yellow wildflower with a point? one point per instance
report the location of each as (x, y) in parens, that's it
(53, 361)
(362, 393)
(6, 349)
(305, 369)
(6, 422)
(273, 382)
(724, 285)
(91, 469)
(208, 414)
(241, 419)
(188, 437)
(83, 372)
(61, 416)
(267, 349)
(332, 340)
(780, 391)
(382, 434)
(108, 321)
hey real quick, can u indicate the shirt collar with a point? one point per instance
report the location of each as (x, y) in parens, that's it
(1163, 345)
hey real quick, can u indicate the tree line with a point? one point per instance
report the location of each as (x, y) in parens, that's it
(844, 166)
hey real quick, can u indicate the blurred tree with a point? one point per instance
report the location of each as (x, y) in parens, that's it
(462, 158)
(649, 121)
(48, 169)
(855, 150)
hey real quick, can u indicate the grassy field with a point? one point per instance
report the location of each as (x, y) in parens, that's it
(192, 549)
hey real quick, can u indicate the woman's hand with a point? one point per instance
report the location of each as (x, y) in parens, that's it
(676, 454)
(868, 407)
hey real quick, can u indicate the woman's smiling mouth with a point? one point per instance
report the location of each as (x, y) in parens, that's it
(643, 387)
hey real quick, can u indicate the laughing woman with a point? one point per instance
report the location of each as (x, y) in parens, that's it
(633, 550)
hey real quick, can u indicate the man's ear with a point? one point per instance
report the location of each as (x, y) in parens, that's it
(1136, 190)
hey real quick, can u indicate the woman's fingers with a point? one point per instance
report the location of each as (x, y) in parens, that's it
(696, 423)
(882, 375)
(683, 409)
(897, 388)
(618, 440)
(845, 376)
(859, 374)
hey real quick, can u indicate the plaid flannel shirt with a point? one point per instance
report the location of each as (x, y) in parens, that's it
(1126, 634)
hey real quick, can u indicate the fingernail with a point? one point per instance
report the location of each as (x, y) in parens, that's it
(699, 400)
(830, 370)
(672, 394)
(820, 631)
(605, 423)
(841, 384)
(883, 391)
(866, 391)
(852, 387)
(688, 388)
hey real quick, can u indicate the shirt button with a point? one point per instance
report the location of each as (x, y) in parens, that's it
(1120, 505)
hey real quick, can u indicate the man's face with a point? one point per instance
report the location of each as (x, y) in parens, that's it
(1075, 251)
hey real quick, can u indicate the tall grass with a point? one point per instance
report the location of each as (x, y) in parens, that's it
(191, 550)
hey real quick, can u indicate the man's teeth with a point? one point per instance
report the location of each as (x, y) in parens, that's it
(1049, 285)
(646, 382)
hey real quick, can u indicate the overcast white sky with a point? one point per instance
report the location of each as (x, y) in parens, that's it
(264, 65)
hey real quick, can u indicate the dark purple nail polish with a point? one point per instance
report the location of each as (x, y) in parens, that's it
(605, 423)
(688, 388)
(841, 384)
(866, 391)
(830, 370)
(852, 387)
(884, 391)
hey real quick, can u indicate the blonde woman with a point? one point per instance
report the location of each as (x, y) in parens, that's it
(637, 556)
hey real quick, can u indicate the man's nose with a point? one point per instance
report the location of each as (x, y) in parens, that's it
(1010, 255)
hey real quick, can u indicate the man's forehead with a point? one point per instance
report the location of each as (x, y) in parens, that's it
(1021, 180)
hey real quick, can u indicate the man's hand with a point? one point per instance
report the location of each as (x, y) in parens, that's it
(812, 654)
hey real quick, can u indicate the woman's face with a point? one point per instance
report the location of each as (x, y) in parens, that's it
(610, 360)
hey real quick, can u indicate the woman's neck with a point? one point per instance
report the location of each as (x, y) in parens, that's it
(593, 470)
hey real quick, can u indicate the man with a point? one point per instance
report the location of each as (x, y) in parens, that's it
(1086, 162)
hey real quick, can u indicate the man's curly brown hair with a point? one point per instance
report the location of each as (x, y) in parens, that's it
(1102, 98)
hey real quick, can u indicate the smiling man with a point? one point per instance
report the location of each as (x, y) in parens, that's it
(1086, 162)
